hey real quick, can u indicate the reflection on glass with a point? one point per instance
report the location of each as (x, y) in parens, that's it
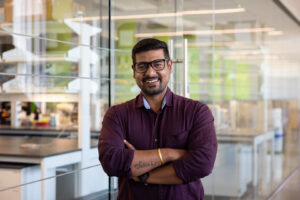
(44, 57)
(131, 18)
(66, 183)
(242, 72)
(242, 61)
(51, 20)
(47, 103)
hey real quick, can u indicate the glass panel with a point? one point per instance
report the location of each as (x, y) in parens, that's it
(251, 41)
(67, 182)
(133, 21)
(52, 106)
(197, 30)
(51, 58)
(241, 58)
(54, 87)
(124, 87)
(72, 21)
(50, 121)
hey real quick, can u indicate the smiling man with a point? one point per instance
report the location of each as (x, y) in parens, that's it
(158, 144)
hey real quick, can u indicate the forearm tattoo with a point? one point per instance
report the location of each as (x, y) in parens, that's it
(141, 165)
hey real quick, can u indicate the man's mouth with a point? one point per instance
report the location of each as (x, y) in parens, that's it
(151, 80)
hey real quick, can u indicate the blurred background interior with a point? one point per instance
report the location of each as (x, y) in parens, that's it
(64, 63)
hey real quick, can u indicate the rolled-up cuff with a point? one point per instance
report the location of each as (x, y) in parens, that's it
(179, 169)
(129, 158)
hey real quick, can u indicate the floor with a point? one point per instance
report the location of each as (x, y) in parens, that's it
(281, 184)
(287, 186)
(291, 189)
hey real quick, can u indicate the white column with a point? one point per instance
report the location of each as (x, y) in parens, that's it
(86, 56)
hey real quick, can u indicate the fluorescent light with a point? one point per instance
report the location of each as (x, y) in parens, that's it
(256, 57)
(190, 12)
(160, 15)
(38, 59)
(236, 52)
(205, 32)
(275, 33)
(220, 11)
(208, 44)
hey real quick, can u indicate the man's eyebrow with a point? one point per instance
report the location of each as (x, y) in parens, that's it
(152, 60)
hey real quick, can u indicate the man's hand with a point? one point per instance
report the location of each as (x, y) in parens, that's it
(136, 179)
(130, 146)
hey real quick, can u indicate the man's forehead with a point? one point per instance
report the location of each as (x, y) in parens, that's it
(149, 55)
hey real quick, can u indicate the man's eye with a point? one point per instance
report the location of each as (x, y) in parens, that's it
(158, 64)
(142, 66)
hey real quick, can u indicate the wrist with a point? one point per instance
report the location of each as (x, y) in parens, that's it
(170, 155)
(165, 153)
(143, 178)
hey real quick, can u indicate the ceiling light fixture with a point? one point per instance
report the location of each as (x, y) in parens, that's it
(159, 15)
(275, 33)
(205, 32)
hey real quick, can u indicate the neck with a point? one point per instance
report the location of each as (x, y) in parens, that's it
(155, 101)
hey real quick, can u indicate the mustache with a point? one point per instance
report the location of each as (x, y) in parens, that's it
(150, 78)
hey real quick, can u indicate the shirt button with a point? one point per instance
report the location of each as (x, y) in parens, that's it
(155, 140)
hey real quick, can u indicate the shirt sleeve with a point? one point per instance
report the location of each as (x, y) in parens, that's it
(114, 157)
(202, 148)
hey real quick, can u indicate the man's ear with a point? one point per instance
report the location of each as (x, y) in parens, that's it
(170, 65)
(132, 67)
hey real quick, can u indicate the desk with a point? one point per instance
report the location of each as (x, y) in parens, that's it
(49, 153)
(252, 137)
(6, 130)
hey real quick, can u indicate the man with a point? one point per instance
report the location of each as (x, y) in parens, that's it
(158, 144)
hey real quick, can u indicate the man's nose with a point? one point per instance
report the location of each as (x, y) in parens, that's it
(150, 70)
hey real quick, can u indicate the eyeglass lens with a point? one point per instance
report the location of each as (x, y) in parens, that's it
(157, 65)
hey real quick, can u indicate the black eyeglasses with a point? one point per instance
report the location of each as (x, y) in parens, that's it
(157, 65)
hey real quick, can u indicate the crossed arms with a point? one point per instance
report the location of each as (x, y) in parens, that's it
(149, 161)
(182, 166)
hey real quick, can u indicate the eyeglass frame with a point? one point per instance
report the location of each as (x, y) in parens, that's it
(151, 64)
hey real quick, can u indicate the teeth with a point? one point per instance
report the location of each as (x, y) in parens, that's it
(151, 81)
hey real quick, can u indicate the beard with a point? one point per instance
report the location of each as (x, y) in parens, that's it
(152, 91)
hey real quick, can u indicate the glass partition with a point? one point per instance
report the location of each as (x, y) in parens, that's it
(69, 21)
(244, 55)
(63, 63)
(87, 183)
(40, 57)
(53, 96)
(133, 21)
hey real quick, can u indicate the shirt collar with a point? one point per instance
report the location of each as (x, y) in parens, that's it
(147, 106)
(168, 100)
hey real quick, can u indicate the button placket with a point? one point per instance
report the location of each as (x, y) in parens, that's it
(154, 117)
(157, 129)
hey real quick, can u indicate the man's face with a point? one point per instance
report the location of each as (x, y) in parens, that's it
(152, 82)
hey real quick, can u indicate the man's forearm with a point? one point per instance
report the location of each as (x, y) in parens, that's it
(144, 161)
(147, 160)
(163, 175)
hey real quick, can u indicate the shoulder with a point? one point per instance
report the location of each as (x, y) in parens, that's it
(121, 110)
(197, 110)
(189, 104)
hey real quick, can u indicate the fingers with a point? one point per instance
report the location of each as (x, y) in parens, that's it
(136, 179)
(130, 146)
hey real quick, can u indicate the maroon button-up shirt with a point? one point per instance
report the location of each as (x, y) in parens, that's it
(182, 123)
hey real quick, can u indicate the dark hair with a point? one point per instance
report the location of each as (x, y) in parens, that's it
(150, 44)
